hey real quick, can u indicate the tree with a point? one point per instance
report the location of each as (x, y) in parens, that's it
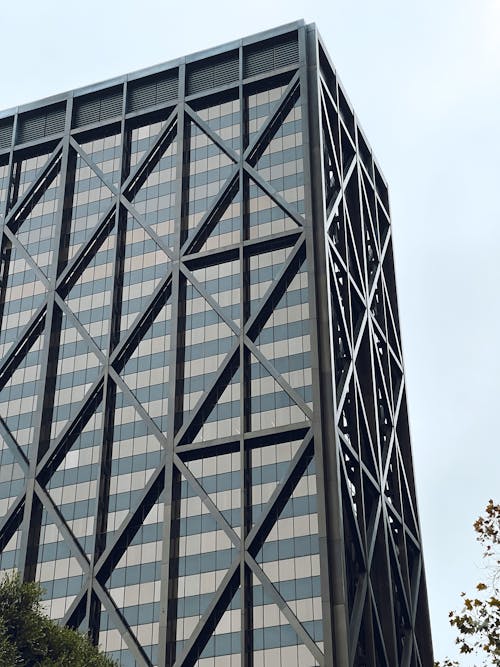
(29, 638)
(478, 623)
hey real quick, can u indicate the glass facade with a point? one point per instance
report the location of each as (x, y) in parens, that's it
(204, 449)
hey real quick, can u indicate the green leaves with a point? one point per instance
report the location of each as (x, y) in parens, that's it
(31, 639)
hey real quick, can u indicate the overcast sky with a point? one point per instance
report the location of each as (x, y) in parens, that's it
(424, 78)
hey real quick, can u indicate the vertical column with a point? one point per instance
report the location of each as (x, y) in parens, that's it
(109, 388)
(4, 209)
(335, 615)
(33, 508)
(167, 626)
(246, 504)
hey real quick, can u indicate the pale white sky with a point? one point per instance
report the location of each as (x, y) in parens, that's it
(424, 79)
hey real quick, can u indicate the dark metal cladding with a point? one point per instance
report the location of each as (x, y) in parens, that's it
(204, 444)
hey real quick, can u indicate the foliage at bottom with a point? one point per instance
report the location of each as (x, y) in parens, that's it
(29, 638)
(478, 623)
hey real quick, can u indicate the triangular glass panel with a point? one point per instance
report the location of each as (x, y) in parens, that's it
(105, 154)
(352, 516)
(91, 295)
(20, 397)
(382, 361)
(348, 150)
(57, 570)
(401, 613)
(141, 140)
(384, 413)
(135, 582)
(225, 640)
(147, 370)
(371, 242)
(112, 643)
(225, 228)
(330, 112)
(136, 454)
(24, 172)
(377, 306)
(371, 504)
(287, 175)
(22, 295)
(354, 237)
(366, 452)
(391, 489)
(205, 553)
(220, 477)
(358, 310)
(156, 197)
(144, 265)
(364, 642)
(351, 483)
(414, 561)
(259, 107)
(331, 177)
(223, 419)
(364, 384)
(390, 284)
(392, 332)
(337, 233)
(383, 225)
(223, 119)
(37, 223)
(73, 485)
(285, 338)
(270, 405)
(380, 652)
(398, 547)
(77, 369)
(207, 341)
(265, 217)
(223, 283)
(209, 169)
(268, 466)
(339, 300)
(91, 200)
(264, 269)
(12, 479)
(381, 583)
(371, 203)
(408, 506)
(346, 415)
(9, 557)
(290, 554)
(275, 642)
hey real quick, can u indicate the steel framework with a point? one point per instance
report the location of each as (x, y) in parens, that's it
(205, 454)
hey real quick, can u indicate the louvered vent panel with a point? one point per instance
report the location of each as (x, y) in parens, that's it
(259, 61)
(167, 89)
(271, 54)
(41, 123)
(86, 112)
(226, 72)
(5, 133)
(286, 53)
(214, 72)
(55, 121)
(151, 91)
(97, 107)
(111, 106)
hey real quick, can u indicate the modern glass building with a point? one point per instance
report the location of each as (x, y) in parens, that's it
(204, 445)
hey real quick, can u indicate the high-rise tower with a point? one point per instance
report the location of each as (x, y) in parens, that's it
(205, 455)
